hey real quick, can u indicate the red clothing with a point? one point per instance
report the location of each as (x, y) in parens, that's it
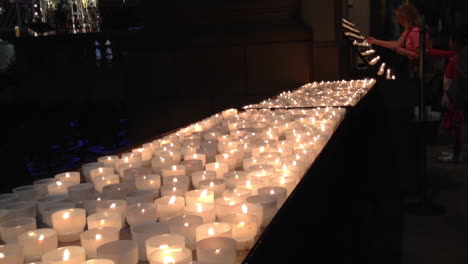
(412, 42)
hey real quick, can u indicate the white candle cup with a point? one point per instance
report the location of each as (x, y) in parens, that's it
(261, 172)
(196, 156)
(148, 182)
(141, 213)
(21, 209)
(69, 223)
(199, 196)
(173, 170)
(69, 178)
(225, 206)
(11, 229)
(90, 204)
(210, 153)
(91, 239)
(43, 183)
(169, 206)
(82, 191)
(105, 219)
(119, 251)
(101, 181)
(237, 194)
(163, 242)
(279, 192)
(161, 161)
(12, 254)
(132, 156)
(198, 176)
(48, 200)
(206, 211)
(65, 255)
(37, 242)
(130, 174)
(268, 202)
(178, 189)
(115, 191)
(171, 255)
(8, 198)
(29, 192)
(4, 215)
(141, 233)
(113, 205)
(244, 229)
(251, 184)
(128, 166)
(52, 208)
(253, 209)
(286, 182)
(87, 167)
(185, 225)
(251, 161)
(217, 186)
(98, 261)
(139, 196)
(57, 188)
(218, 167)
(232, 177)
(108, 161)
(192, 165)
(219, 250)
(145, 153)
(101, 171)
(213, 229)
(176, 179)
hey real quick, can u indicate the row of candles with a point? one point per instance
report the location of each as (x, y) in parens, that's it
(201, 194)
(316, 94)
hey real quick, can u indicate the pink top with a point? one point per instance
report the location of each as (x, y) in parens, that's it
(412, 42)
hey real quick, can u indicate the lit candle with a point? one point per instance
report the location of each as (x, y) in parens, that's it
(218, 167)
(217, 186)
(286, 182)
(173, 170)
(268, 202)
(202, 175)
(231, 177)
(141, 233)
(191, 166)
(196, 156)
(161, 161)
(101, 181)
(199, 196)
(176, 179)
(244, 229)
(92, 238)
(52, 208)
(37, 242)
(263, 174)
(247, 162)
(163, 242)
(108, 161)
(100, 171)
(86, 169)
(119, 251)
(113, 205)
(251, 184)
(279, 192)
(141, 213)
(237, 194)
(186, 225)
(254, 209)
(57, 188)
(105, 219)
(214, 229)
(126, 166)
(171, 256)
(177, 189)
(11, 254)
(217, 250)
(225, 206)
(65, 255)
(169, 206)
(148, 182)
(206, 211)
(82, 191)
(130, 174)
(11, 229)
(69, 178)
(69, 223)
(139, 196)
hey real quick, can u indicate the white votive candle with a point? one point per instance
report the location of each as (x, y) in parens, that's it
(206, 211)
(101, 181)
(217, 250)
(268, 202)
(130, 174)
(113, 205)
(69, 178)
(169, 206)
(11, 229)
(251, 184)
(150, 182)
(225, 206)
(143, 232)
(217, 186)
(218, 167)
(196, 156)
(199, 196)
(92, 238)
(279, 192)
(244, 229)
(82, 191)
(191, 166)
(108, 161)
(100, 171)
(11, 254)
(21, 209)
(173, 170)
(47, 200)
(186, 225)
(116, 191)
(140, 213)
(159, 162)
(214, 229)
(65, 255)
(105, 219)
(87, 167)
(237, 194)
(178, 189)
(119, 251)
(57, 188)
(198, 176)
(254, 209)
(8, 198)
(286, 182)
(171, 255)
(37, 242)
(176, 179)
(251, 161)
(163, 242)
(139, 196)
(69, 223)
(232, 177)
(52, 208)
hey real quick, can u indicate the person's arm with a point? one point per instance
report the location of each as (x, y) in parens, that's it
(409, 53)
(389, 44)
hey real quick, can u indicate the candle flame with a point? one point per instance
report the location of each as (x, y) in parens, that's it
(67, 175)
(100, 170)
(242, 224)
(151, 182)
(98, 237)
(143, 211)
(59, 184)
(174, 167)
(103, 222)
(282, 181)
(217, 251)
(66, 215)
(113, 205)
(41, 237)
(186, 224)
(199, 208)
(172, 200)
(174, 189)
(244, 209)
(168, 260)
(232, 203)
(216, 165)
(211, 231)
(211, 184)
(175, 180)
(204, 193)
(2, 255)
(272, 191)
(66, 255)
(248, 184)
(164, 246)
(109, 158)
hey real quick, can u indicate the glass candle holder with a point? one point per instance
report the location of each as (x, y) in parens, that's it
(11, 229)
(116, 191)
(163, 242)
(37, 242)
(108, 161)
(52, 208)
(140, 213)
(91, 239)
(213, 229)
(43, 183)
(69, 223)
(105, 219)
(251, 161)
(206, 211)
(138, 196)
(90, 205)
(57, 188)
(173, 170)
(69, 178)
(253, 209)
(178, 189)
(101, 171)
(217, 186)
(169, 206)
(232, 177)
(143, 232)
(113, 205)
(87, 167)
(286, 182)
(171, 255)
(8, 198)
(250, 184)
(199, 196)
(244, 229)
(268, 203)
(237, 194)
(217, 250)
(101, 181)
(130, 174)
(48, 200)
(225, 206)
(218, 167)
(22, 209)
(185, 225)
(12, 254)
(198, 176)
(82, 191)
(119, 251)
(176, 179)
(151, 182)
(29, 192)
(196, 156)
(65, 255)
(279, 192)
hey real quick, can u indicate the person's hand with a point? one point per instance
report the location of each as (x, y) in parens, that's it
(371, 40)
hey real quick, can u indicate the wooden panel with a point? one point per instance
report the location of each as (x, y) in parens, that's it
(277, 67)
(326, 63)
